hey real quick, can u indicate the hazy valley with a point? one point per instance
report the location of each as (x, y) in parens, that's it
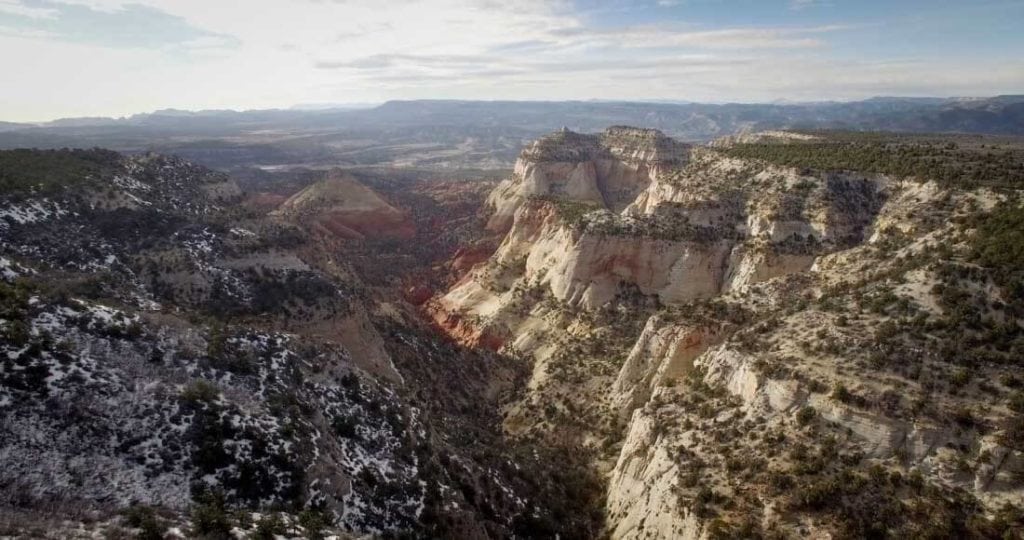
(452, 135)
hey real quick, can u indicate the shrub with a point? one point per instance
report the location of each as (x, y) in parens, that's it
(314, 522)
(200, 391)
(217, 341)
(145, 519)
(269, 527)
(210, 518)
(963, 416)
(960, 377)
(819, 494)
(16, 333)
(1013, 432)
(1010, 381)
(806, 415)
(916, 479)
(1017, 402)
(345, 426)
(841, 393)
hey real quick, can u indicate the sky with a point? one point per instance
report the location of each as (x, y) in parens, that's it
(74, 58)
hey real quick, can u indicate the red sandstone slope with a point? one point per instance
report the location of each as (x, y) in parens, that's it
(343, 207)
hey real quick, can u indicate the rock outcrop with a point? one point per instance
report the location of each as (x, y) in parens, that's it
(607, 170)
(663, 225)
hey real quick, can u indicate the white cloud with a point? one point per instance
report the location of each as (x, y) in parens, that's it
(799, 5)
(729, 38)
(25, 33)
(100, 5)
(19, 9)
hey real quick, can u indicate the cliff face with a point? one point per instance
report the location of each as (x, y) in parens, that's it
(726, 334)
(694, 230)
(607, 170)
(798, 380)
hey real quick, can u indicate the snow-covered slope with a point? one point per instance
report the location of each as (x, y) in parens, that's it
(172, 354)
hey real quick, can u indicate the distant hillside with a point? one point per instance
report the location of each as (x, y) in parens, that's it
(6, 126)
(486, 134)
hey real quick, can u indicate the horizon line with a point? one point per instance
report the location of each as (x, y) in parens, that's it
(313, 108)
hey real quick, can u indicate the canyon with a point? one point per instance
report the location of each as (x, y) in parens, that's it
(778, 334)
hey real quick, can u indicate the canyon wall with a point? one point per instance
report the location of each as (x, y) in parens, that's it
(707, 326)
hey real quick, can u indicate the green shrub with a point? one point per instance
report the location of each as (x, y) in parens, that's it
(314, 522)
(210, 518)
(1017, 402)
(16, 333)
(215, 345)
(960, 377)
(145, 519)
(916, 479)
(806, 415)
(819, 494)
(841, 393)
(200, 391)
(269, 526)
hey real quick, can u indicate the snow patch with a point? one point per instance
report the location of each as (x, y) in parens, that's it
(31, 212)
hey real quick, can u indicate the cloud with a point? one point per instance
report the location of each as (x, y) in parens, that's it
(575, 48)
(499, 64)
(19, 9)
(383, 61)
(105, 24)
(664, 36)
(800, 5)
(25, 33)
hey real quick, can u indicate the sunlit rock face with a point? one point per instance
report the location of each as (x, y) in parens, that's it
(712, 326)
(607, 169)
(588, 216)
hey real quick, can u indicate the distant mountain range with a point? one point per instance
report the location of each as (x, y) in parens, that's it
(494, 129)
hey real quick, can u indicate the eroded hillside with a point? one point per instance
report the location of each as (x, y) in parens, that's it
(179, 362)
(803, 335)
